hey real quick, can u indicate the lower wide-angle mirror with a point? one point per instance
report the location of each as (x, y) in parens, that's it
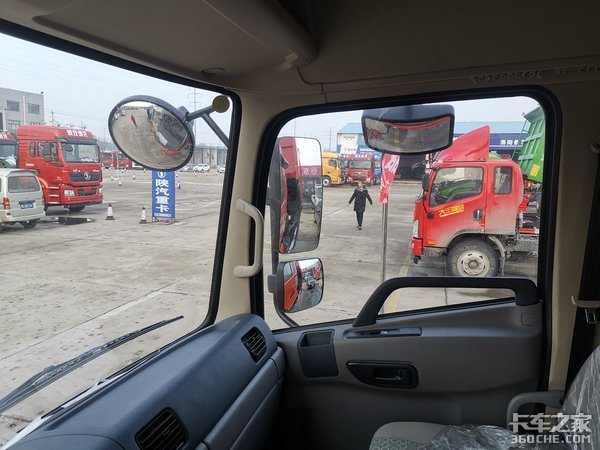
(299, 285)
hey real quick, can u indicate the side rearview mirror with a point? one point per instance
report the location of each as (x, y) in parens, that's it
(299, 285)
(409, 129)
(425, 182)
(295, 195)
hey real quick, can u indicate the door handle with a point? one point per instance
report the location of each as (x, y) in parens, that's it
(384, 374)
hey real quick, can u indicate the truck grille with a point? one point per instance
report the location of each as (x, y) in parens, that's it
(79, 177)
(86, 192)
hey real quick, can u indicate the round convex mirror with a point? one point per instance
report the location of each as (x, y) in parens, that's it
(152, 133)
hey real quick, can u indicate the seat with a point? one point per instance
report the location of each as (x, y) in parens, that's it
(580, 412)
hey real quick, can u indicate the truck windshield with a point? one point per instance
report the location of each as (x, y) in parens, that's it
(455, 183)
(80, 153)
(360, 164)
(8, 150)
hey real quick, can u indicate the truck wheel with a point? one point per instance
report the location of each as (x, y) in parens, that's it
(472, 258)
(29, 224)
(76, 208)
(326, 181)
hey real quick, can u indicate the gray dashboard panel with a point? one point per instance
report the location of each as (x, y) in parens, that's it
(206, 380)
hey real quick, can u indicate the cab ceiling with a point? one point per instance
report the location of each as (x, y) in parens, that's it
(239, 43)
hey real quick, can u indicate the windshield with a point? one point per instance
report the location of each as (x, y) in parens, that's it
(360, 164)
(77, 280)
(80, 153)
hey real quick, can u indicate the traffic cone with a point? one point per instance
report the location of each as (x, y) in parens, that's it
(179, 185)
(133, 176)
(109, 213)
(120, 182)
(143, 216)
(112, 178)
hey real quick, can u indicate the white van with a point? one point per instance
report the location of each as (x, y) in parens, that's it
(22, 198)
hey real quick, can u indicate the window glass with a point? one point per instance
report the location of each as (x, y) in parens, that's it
(23, 183)
(12, 105)
(32, 108)
(502, 180)
(98, 279)
(456, 183)
(12, 125)
(441, 220)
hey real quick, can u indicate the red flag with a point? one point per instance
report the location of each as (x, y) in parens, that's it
(389, 165)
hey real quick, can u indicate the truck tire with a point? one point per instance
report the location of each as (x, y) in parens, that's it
(472, 258)
(76, 208)
(326, 181)
(28, 224)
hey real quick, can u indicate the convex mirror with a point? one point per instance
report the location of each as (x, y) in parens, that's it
(295, 195)
(299, 285)
(155, 134)
(409, 129)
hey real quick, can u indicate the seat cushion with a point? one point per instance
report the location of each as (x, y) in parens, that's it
(430, 436)
(399, 435)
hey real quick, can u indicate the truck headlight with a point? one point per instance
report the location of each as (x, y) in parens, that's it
(416, 229)
(69, 193)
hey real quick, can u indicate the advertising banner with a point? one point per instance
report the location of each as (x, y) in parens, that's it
(389, 165)
(163, 195)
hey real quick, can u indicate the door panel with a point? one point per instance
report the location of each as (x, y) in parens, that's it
(467, 363)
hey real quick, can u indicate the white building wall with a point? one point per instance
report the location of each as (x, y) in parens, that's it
(20, 108)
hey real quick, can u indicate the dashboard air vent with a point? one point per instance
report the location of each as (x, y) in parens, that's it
(255, 342)
(164, 432)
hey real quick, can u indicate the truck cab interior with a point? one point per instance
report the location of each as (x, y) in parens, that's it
(373, 376)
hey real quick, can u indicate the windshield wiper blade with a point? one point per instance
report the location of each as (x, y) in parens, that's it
(54, 372)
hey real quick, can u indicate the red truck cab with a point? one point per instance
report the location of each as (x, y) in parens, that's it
(471, 207)
(67, 161)
(8, 150)
(361, 167)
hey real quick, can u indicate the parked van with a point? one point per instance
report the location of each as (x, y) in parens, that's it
(22, 198)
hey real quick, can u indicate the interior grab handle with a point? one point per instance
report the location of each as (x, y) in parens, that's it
(259, 226)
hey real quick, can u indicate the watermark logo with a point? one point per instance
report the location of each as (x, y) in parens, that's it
(551, 429)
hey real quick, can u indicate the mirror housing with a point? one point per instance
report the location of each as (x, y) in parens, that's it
(299, 285)
(295, 195)
(425, 182)
(409, 129)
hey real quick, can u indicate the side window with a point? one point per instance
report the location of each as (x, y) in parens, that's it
(32, 149)
(40, 149)
(332, 163)
(502, 180)
(439, 208)
(53, 151)
(456, 183)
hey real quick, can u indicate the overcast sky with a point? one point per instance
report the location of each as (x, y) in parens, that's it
(78, 91)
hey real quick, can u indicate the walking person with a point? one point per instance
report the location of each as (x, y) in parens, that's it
(360, 197)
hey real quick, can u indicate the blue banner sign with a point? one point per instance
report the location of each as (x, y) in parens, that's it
(163, 195)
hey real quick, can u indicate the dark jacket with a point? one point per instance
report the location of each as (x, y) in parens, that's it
(360, 198)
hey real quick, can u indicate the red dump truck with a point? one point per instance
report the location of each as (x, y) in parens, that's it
(472, 209)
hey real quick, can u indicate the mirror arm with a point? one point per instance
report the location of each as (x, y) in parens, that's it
(204, 113)
(284, 317)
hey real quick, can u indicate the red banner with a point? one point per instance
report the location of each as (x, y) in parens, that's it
(389, 165)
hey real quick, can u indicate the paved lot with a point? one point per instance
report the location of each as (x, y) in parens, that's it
(67, 288)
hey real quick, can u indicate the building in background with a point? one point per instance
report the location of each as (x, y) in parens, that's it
(20, 108)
